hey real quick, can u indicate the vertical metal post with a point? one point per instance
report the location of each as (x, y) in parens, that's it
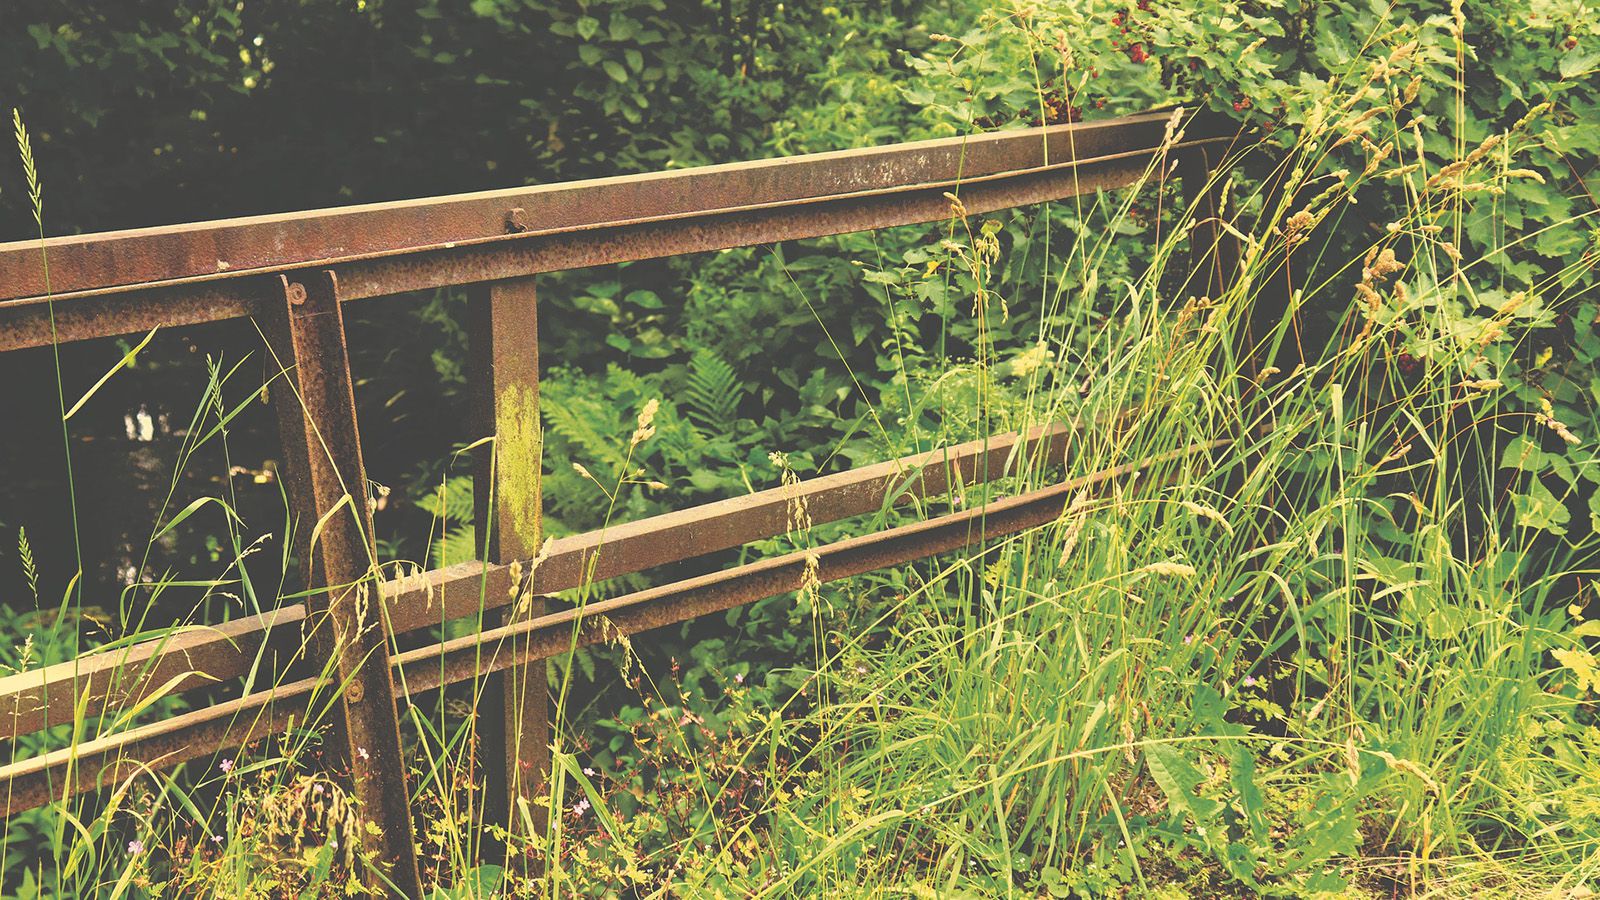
(328, 486)
(1211, 248)
(1214, 253)
(503, 336)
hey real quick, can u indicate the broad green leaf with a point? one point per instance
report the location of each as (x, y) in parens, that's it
(622, 27)
(1540, 509)
(1179, 781)
(1577, 63)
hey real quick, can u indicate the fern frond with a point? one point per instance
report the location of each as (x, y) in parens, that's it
(458, 545)
(574, 421)
(712, 393)
(451, 502)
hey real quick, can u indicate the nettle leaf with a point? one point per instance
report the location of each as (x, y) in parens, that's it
(1558, 242)
(1242, 775)
(1540, 509)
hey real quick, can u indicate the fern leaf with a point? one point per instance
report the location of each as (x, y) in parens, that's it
(712, 393)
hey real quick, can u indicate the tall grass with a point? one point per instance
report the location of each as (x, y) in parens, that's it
(1319, 659)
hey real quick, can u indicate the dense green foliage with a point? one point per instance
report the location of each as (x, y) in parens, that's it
(1351, 652)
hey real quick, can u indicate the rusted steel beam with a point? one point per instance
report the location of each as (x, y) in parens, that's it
(229, 248)
(211, 271)
(49, 696)
(503, 337)
(558, 633)
(464, 589)
(106, 761)
(166, 744)
(345, 627)
(121, 677)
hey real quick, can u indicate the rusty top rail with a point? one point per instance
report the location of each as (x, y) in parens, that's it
(104, 284)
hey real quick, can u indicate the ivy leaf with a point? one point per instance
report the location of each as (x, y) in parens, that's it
(616, 71)
(1581, 663)
(1540, 509)
(623, 28)
(588, 27)
(1524, 453)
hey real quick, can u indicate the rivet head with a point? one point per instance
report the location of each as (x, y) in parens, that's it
(297, 293)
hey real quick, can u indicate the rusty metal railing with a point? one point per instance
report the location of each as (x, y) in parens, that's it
(292, 273)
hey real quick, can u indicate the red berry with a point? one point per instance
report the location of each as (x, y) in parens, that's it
(1194, 64)
(1572, 42)
(1116, 19)
(1409, 364)
(1137, 54)
(1237, 106)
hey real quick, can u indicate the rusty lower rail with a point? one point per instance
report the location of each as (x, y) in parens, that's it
(195, 658)
(164, 745)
